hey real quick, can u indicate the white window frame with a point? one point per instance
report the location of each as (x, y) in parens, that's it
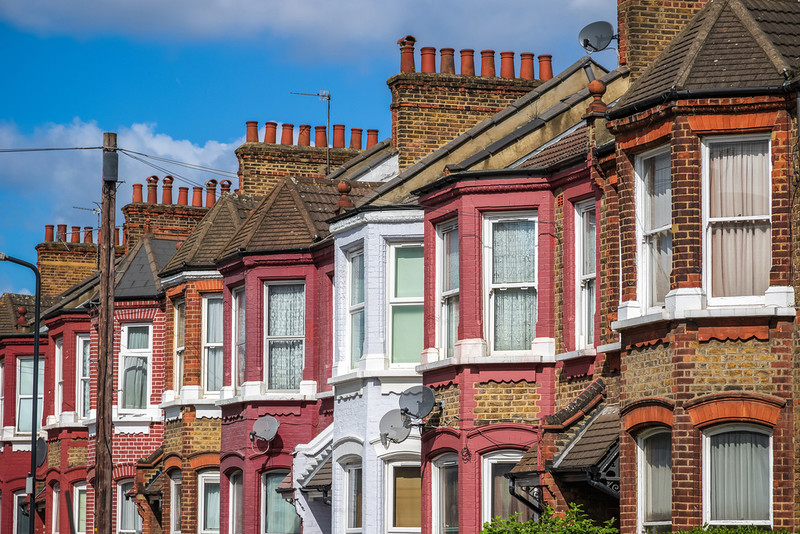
(268, 338)
(487, 461)
(77, 489)
(749, 300)
(349, 469)
(20, 396)
(393, 301)
(232, 504)
(147, 354)
(58, 397)
(55, 514)
(122, 501)
(179, 344)
(489, 288)
(238, 299)
(82, 340)
(2, 391)
(354, 309)
(175, 490)
(391, 465)
(441, 462)
(203, 479)
(644, 269)
(641, 482)
(17, 509)
(208, 345)
(706, 477)
(442, 296)
(584, 332)
(281, 473)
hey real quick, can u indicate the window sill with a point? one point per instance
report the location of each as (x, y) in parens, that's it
(65, 420)
(257, 392)
(19, 442)
(576, 354)
(204, 407)
(708, 313)
(361, 374)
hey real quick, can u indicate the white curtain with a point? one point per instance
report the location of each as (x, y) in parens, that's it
(286, 319)
(451, 311)
(451, 260)
(134, 383)
(658, 214)
(214, 368)
(356, 337)
(138, 337)
(513, 262)
(25, 394)
(84, 381)
(658, 477)
(740, 476)
(214, 320)
(129, 519)
(211, 506)
(241, 359)
(741, 252)
(357, 279)
(214, 336)
(280, 517)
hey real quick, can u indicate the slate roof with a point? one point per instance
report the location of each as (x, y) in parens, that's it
(322, 478)
(592, 444)
(140, 267)
(570, 145)
(293, 216)
(729, 44)
(365, 161)
(9, 304)
(212, 233)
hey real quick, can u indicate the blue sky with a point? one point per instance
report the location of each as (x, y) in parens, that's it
(178, 80)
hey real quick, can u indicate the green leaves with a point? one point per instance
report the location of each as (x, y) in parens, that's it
(575, 521)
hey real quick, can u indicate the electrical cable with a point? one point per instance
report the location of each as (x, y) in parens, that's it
(183, 164)
(49, 149)
(165, 171)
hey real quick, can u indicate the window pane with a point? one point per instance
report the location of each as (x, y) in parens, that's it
(210, 506)
(588, 312)
(739, 179)
(409, 272)
(659, 260)
(357, 279)
(356, 337)
(514, 319)
(354, 498)
(180, 324)
(740, 476)
(407, 497)
(81, 496)
(448, 507)
(23, 521)
(176, 506)
(407, 326)
(658, 477)
(286, 310)
(214, 368)
(214, 320)
(237, 510)
(503, 504)
(451, 311)
(450, 260)
(741, 257)
(138, 337)
(24, 415)
(513, 249)
(129, 520)
(658, 192)
(285, 364)
(588, 242)
(280, 517)
(134, 380)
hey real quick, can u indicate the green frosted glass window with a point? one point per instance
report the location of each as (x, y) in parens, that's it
(405, 303)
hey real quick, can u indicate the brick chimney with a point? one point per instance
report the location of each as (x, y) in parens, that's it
(646, 27)
(457, 102)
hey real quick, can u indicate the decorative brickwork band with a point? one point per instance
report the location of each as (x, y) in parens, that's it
(304, 135)
(467, 62)
(545, 67)
(166, 189)
(507, 65)
(270, 132)
(407, 53)
(355, 138)
(338, 136)
(526, 66)
(447, 64)
(427, 59)
(487, 63)
(734, 407)
(643, 413)
(252, 132)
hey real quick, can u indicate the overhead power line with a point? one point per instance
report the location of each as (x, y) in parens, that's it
(183, 164)
(49, 149)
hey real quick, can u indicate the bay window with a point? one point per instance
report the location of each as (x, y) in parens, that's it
(655, 481)
(355, 498)
(654, 225)
(25, 394)
(128, 519)
(445, 494)
(278, 516)
(212, 343)
(208, 509)
(586, 273)
(509, 244)
(406, 277)
(448, 287)
(737, 213)
(356, 306)
(135, 352)
(737, 475)
(82, 393)
(285, 339)
(404, 505)
(238, 354)
(496, 500)
(180, 342)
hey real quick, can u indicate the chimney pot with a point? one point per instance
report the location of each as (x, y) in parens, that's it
(87, 234)
(355, 138)
(526, 66)
(487, 63)
(76, 234)
(287, 133)
(166, 189)
(447, 64)
(61, 234)
(225, 186)
(270, 132)
(372, 137)
(304, 137)
(545, 67)
(338, 136)
(183, 196)
(467, 62)
(197, 197)
(427, 59)
(252, 132)
(211, 193)
(407, 53)
(320, 136)
(137, 193)
(48, 233)
(152, 190)
(507, 65)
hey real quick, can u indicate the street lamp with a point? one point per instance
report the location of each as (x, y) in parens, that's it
(30, 482)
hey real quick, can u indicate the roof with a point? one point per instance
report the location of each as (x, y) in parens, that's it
(366, 161)
(212, 233)
(322, 477)
(286, 484)
(729, 44)
(139, 269)
(573, 143)
(592, 443)
(293, 216)
(10, 303)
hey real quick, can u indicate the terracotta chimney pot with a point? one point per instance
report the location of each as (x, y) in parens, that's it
(427, 59)
(137, 193)
(355, 138)
(197, 197)
(183, 196)
(270, 132)
(407, 53)
(447, 64)
(48, 233)
(372, 137)
(487, 63)
(166, 189)
(87, 234)
(152, 190)
(252, 132)
(76, 234)
(338, 136)
(287, 133)
(507, 65)
(304, 137)
(467, 62)
(545, 67)
(211, 193)
(225, 186)
(526, 66)
(320, 136)
(61, 234)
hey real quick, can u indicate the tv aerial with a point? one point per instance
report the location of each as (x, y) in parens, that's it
(597, 36)
(395, 426)
(417, 401)
(265, 428)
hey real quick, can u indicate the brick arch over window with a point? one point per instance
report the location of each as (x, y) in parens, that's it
(646, 412)
(734, 408)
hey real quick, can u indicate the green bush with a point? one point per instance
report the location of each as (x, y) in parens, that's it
(708, 529)
(575, 521)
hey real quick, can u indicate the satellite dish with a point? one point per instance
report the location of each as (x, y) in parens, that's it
(417, 401)
(394, 426)
(41, 452)
(596, 36)
(265, 428)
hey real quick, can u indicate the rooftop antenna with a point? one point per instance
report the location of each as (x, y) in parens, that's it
(326, 96)
(597, 36)
(97, 211)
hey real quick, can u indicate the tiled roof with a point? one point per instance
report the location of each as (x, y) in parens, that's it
(139, 270)
(212, 233)
(9, 305)
(728, 44)
(592, 444)
(286, 484)
(364, 162)
(293, 216)
(573, 144)
(323, 478)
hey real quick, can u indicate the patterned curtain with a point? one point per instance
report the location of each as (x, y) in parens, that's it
(286, 319)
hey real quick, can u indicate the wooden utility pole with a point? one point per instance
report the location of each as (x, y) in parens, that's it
(103, 484)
